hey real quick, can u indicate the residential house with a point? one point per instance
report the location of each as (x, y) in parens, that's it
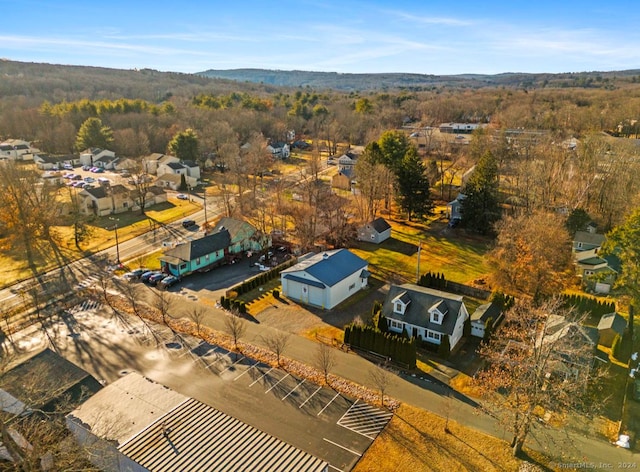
(244, 236)
(197, 255)
(152, 161)
(48, 162)
(193, 169)
(326, 279)
(426, 314)
(16, 149)
(454, 208)
(135, 424)
(341, 180)
(171, 168)
(96, 157)
(598, 273)
(111, 199)
(610, 325)
(174, 181)
(484, 319)
(572, 345)
(279, 149)
(96, 200)
(375, 231)
(460, 128)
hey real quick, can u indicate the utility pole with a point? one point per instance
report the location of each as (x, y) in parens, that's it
(117, 242)
(418, 266)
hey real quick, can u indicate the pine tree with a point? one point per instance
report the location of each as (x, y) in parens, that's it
(480, 207)
(412, 186)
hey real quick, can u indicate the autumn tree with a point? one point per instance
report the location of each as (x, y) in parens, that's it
(531, 368)
(532, 255)
(93, 134)
(184, 145)
(480, 207)
(624, 242)
(373, 179)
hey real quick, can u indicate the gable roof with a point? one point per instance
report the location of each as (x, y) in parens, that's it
(234, 226)
(96, 192)
(422, 300)
(191, 250)
(585, 237)
(329, 267)
(613, 321)
(172, 178)
(486, 311)
(380, 225)
(174, 165)
(559, 328)
(189, 164)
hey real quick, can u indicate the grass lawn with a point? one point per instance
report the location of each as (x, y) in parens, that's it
(101, 236)
(459, 257)
(415, 440)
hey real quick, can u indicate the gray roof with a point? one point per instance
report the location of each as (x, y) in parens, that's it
(613, 321)
(330, 267)
(585, 237)
(200, 247)
(422, 299)
(380, 225)
(96, 192)
(174, 165)
(486, 311)
(189, 164)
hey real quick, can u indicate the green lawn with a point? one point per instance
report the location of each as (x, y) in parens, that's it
(460, 258)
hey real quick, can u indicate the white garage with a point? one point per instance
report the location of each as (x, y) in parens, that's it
(485, 317)
(324, 280)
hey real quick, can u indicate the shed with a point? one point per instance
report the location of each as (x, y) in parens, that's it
(375, 231)
(485, 316)
(610, 325)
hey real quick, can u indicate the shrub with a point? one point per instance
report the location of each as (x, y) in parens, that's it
(615, 346)
(276, 293)
(445, 348)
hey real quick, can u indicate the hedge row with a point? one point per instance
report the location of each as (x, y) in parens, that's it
(396, 347)
(588, 304)
(261, 279)
(233, 304)
(433, 280)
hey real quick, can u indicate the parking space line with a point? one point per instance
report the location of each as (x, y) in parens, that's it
(311, 396)
(231, 365)
(327, 405)
(274, 385)
(334, 468)
(342, 447)
(365, 420)
(294, 389)
(260, 378)
(257, 362)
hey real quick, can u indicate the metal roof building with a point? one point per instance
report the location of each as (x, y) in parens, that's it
(157, 429)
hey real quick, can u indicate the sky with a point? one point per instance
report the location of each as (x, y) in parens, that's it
(426, 37)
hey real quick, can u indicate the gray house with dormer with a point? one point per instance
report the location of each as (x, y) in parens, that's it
(425, 313)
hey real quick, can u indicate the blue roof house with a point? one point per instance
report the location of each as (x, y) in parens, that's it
(324, 280)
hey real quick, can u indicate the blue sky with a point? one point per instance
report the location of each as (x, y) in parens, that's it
(429, 37)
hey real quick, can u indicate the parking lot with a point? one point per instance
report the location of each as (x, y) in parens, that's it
(313, 418)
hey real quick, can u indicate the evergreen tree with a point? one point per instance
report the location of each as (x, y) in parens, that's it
(444, 348)
(184, 145)
(93, 134)
(480, 207)
(412, 186)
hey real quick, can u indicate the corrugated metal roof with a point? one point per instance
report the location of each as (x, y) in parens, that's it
(196, 437)
(199, 247)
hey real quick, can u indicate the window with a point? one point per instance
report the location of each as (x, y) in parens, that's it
(206, 257)
(183, 266)
(435, 317)
(434, 336)
(373, 236)
(352, 286)
(197, 260)
(398, 308)
(396, 324)
(125, 204)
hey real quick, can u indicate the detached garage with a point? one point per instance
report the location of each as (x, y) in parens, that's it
(326, 279)
(484, 318)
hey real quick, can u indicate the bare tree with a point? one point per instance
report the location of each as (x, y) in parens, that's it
(541, 360)
(277, 343)
(325, 360)
(382, 380)
(132, 297)
(196, 314)
(235, 327)
(142, 181)
(163, 303)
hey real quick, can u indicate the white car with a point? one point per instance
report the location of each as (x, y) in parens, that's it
(182, 196)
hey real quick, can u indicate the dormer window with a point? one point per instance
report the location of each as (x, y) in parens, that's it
(400, 303)
(437, 312)
(436, 317)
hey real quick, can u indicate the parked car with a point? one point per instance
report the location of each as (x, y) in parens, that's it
(79, 184)
(86, 168)
(70, 175)
(135, 274)
(182, 196)
(188, 223)
(155, 278)
(68, 166)
(145, 277)
(168, 281)
(89, 180)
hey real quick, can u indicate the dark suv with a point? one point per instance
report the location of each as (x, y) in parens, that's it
(188, 223)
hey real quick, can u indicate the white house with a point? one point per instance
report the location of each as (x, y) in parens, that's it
(171, 168)
(193, 169)
(15, 149)
(278, 149)
(425, 313)
(375, 231)
(98, 157)
(152, 161)
(326, 279)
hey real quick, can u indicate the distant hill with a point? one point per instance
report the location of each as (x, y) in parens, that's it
(352, 82)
